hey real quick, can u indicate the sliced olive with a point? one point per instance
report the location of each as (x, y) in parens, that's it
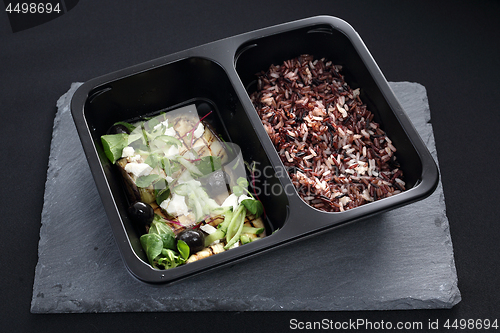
(118, 129)
(194, 238)
(141, 212)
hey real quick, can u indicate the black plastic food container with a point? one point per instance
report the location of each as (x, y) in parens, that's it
(222, 74)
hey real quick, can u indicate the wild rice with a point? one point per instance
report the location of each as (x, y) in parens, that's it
(320, 126)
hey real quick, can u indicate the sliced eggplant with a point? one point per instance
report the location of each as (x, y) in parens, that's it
(250, 222)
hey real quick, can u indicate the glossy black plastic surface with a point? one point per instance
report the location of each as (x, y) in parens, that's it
(222, 75)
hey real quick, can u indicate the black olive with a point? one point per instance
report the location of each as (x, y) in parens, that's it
(141, 212)
(204, 108)
(194, 238)
(118, 129)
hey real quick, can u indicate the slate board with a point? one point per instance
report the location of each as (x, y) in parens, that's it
(402, 259)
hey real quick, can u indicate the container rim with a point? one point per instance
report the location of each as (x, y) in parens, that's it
(291, 231)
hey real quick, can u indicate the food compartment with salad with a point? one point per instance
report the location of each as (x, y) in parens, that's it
(174, 156)
(187, 187)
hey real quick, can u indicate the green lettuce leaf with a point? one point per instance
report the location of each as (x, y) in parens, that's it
(209, 164)
(145, 181)
(113, 145)
(183, 249)
(253, 206)
(152, 245)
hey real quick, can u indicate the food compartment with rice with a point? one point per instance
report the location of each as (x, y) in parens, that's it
(177, 156)
(335, 134)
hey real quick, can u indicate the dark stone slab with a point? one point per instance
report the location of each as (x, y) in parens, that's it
(402, 259)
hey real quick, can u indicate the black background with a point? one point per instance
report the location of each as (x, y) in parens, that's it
(451, 47)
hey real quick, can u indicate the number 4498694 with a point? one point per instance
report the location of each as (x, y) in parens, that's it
(472, 324)
(33, 8)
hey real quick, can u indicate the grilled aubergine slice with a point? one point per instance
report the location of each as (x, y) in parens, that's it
(250, 221)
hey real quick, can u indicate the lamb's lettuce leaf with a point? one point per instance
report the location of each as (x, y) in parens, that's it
(145, 181)
(113, 145)
(209, 164)
(152, 245)
(253, 206)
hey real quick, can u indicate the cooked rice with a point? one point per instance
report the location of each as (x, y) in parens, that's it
(337, 157)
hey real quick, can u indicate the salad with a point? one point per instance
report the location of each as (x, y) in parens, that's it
(187, 188)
